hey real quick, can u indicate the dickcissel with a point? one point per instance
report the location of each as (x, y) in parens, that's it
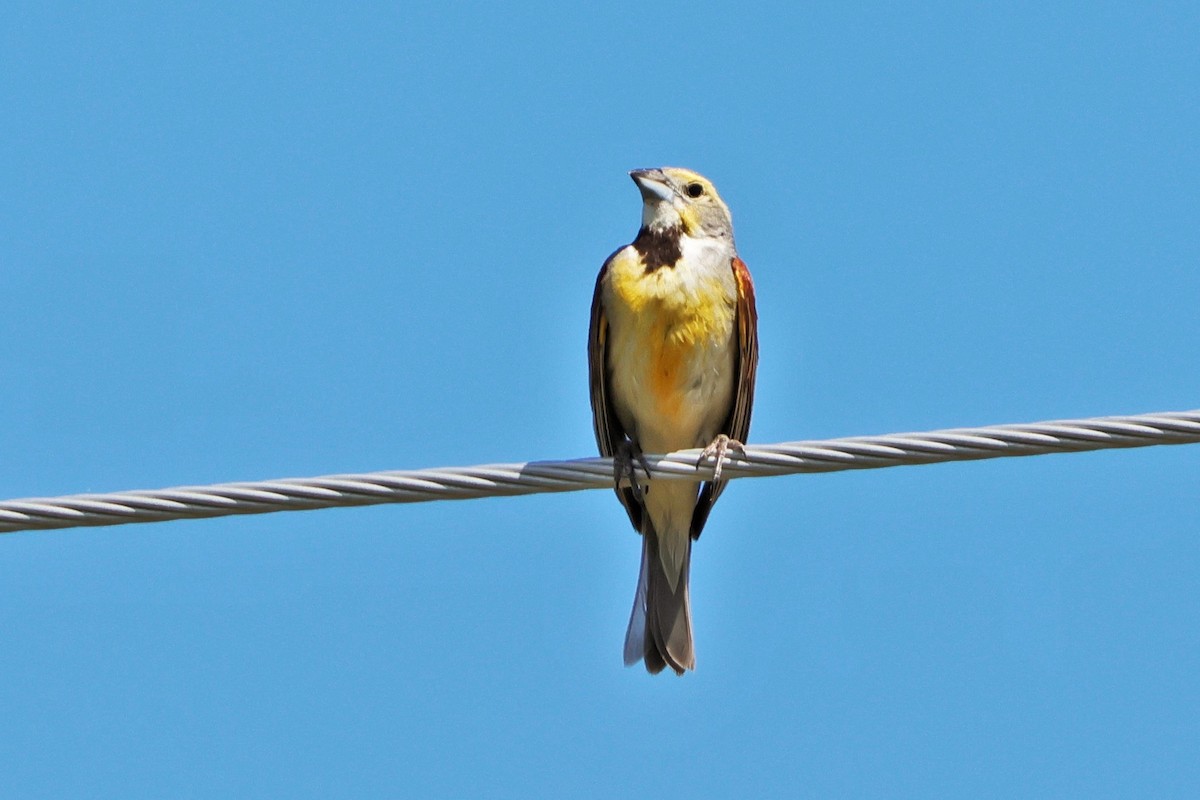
(672, 353)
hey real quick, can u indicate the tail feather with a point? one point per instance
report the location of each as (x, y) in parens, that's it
(635, 634)
(660, 626)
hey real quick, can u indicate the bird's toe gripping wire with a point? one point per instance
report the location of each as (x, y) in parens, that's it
(624, 470)
(718, 451)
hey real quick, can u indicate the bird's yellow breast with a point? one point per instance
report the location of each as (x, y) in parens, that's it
(671, 334)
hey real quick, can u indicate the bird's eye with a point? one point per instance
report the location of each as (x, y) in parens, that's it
(694, 190)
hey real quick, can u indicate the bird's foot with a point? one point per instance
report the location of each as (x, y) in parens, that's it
(719, 450)
(624, 471)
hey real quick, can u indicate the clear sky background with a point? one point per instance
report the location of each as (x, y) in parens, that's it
(242, 242)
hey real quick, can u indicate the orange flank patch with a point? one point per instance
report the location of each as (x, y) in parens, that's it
(668, 356)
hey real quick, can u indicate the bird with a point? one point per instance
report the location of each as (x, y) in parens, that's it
(672, 359)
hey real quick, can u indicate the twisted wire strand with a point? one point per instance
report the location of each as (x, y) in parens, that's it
(462, 483)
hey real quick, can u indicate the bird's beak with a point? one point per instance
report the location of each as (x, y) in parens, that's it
(652, 183)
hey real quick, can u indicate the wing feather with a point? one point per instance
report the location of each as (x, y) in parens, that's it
(610, 434)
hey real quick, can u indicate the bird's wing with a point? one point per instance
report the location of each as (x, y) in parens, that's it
(610, 434)
(737, 425)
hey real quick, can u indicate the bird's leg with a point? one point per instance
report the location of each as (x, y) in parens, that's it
(623, 469)
(719, 450)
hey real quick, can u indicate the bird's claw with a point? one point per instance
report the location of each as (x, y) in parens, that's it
(719, 451)
(624, 471)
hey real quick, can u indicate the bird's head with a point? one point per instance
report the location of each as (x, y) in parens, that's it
(684, 200)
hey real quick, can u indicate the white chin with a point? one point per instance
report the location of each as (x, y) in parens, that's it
(660, 215)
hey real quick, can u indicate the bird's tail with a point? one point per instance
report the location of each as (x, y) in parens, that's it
(660, 627)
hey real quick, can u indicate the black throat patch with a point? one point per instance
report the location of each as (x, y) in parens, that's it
(658, 248)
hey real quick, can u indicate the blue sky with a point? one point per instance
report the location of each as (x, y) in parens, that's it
(242, 242)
